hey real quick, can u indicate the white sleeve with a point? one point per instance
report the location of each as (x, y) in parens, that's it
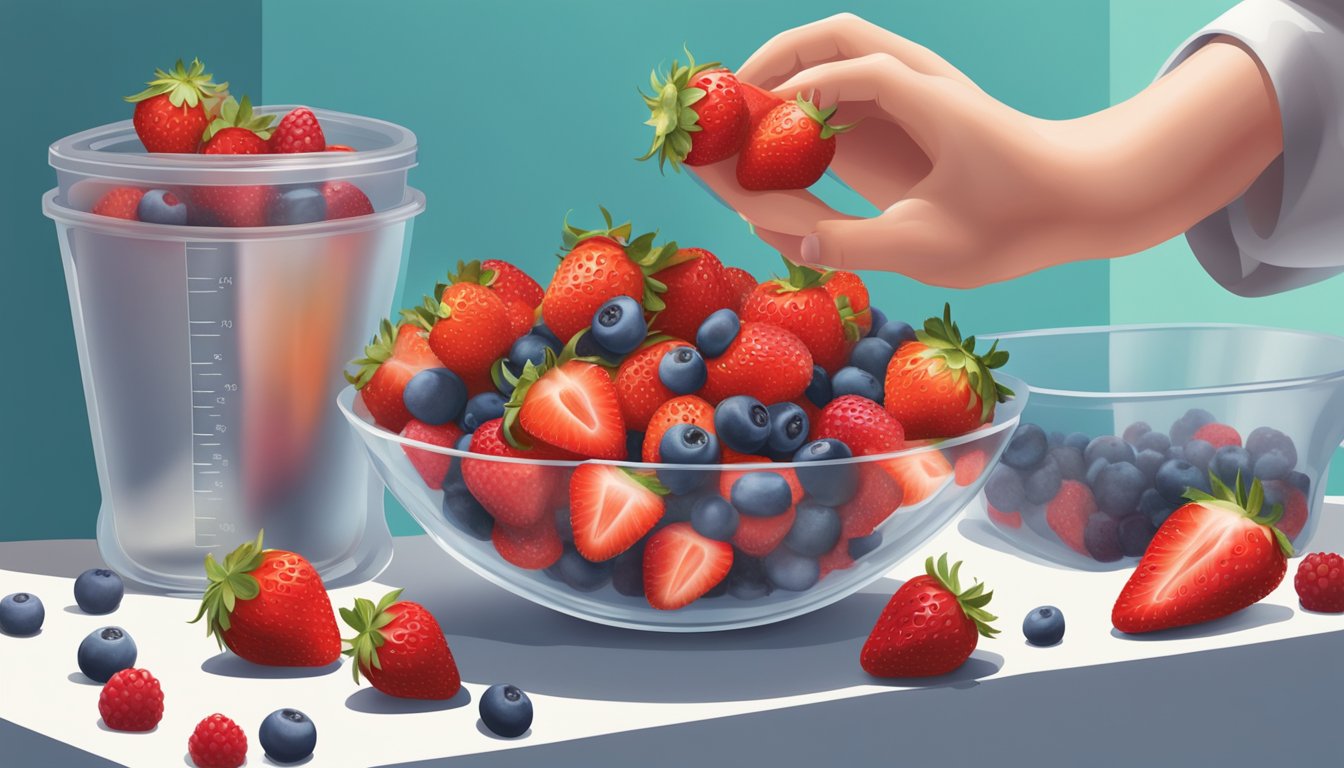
(1287, 230)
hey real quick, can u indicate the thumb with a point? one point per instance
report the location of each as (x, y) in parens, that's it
(913, 237)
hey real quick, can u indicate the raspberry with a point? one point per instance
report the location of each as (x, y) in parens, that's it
(1218, 435)
(1067, 514)
(1320, 582)
(131, 701)
(217, 742)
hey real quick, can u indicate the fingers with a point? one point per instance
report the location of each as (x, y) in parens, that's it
(791, 212)
(789, 246)
(843, 36)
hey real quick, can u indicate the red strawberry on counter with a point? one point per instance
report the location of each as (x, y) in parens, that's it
(764, 361)
(611, 508)
(790, 147)
(298, 131)
(120, 203)
(345, 200)
(937, 386)
(680, 566)
(173, 113)
(693, 290)
(930, 627)
(269, 607)
(571, 405)
(1214, 556)
(468, 325)
(801, 304)
(698, 113)
(514, 493)
(389, 362)
(399, 647)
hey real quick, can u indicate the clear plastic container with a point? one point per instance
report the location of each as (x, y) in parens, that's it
(210, 355)
(1150, 387)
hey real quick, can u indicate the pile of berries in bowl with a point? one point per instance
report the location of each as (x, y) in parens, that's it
(1125, 422)
(655, 440)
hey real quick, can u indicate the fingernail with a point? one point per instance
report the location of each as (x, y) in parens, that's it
(810, 250)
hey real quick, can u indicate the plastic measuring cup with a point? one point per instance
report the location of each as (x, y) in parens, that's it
(210, 356)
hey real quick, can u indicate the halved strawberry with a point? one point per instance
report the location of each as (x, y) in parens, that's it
(759, 536)
(515, 494)
(611, 508)
(390, 360)
(680, 565)
(570, 405)
(920, 475)
(531, 547)
(877, 498)
(433, 467)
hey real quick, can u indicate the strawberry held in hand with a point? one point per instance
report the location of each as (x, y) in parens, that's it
(399, 647)
(930, 626)
(1214, 556)
(698, 113)
(172, 114)
(269, 607)
(789, 148)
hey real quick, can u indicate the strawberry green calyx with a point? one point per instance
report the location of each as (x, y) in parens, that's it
(1249, 503)
(972, 601)
(377, 352)
(943, 339)
(235, 114)
(229, 583)
(670, 112)
(470, 272)
(647, 480)
(368, 621)
(822, 116)
(800, 277)
(848, 317)
(650, 258)
(189, 86)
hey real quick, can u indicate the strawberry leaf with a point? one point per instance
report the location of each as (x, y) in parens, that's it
(227, 584)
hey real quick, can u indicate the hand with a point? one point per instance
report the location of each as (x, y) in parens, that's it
(972, 191)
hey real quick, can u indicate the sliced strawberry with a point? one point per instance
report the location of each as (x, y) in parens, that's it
(877, 498)
(1068, 512)
(920, 475)
(611, 508)
(516, 494)
(390, 360)
(680, 565)
(573, 406)
(532, 547)
(431, 466)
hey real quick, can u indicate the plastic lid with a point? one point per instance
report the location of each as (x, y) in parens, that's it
(113, 151)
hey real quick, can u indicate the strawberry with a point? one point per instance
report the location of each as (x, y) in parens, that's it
(571, 405)
(759, 102)
(232, 206)
(930, 626)
(131, 701)
(968, 466)
(938, 387)
(1068, 512)
(878, 496)
(398, 645)
(1218, 435)
(861, 424)
(598, 265)
(298, 131)
(1010, 520)
(687, 409)
(764, 361)
(433, 467)
(1319, 582)
(739, 284)
(217, 742)
(120, 203)
(727, 478)
(698, 114)
(789, 147)
(838, 559)
(512, 284)
(514, 493)
(1294, 507)
(531, 547)
(694, 289)
(237, 131)
(801, 304)
(390, 360)
(680, 565)
(638, 386)
(920, 475)
(851, 298)
(174, 111)
(1214, 556)
(611, 509)
(345, 200)
(468, 325)
(759, 536)
(269, 607)
(340, 148)
(521, 318)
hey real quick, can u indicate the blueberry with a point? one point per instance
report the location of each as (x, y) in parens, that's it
(1155, 507)
(1175, 476)
(1135, 532)
(564, 525)
(1272, 465)
(1149, 462)
(872, 355)
(105, 652)
(627, 572)
(1232, 461)
(21, 614)
(1004, 490)
(634, 446)
(530, 348)
(543, 330)
(159, 206)
(581, 574)
(1118, 488)
(1070, 461)
(1136, 430)
(1110, 448)
(819, 389)
(830, 484)
(297, 205)
(1185, 427)
(1033, 515)
(480, 409)
(454, 474)
(714, 518)
(466, 513)
(1044, 626)
(683, 370)
(788, 430)
(1054, 439)
(1197, 452)
(618, 325)
(1176, 452)
(1077, 441)
(287, 736)
(879, 320)
(815, 530)
(1300, 481)
(856, 381)
(896, 333)
(1153, 441)
(746, 579)
(1042, 483)
(1026, 450)
(717, 332)
(506, 711)
(858, 547)
(1094, 469)
(687, 444)
(678, 508)
(791, 571)
(435, 396)
(762, 494)
(1263, 440)
(1101, 537)
(742, 423)
(99, 590)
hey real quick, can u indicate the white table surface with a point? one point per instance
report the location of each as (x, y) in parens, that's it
(599, 690)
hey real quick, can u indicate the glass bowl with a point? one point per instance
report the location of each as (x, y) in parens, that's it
(1141, 395)
(754, 592)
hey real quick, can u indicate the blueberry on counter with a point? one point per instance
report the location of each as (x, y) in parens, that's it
(762, 494)
(480, 409)
(815, 530)
(856, 381)
(1109, 447)
(830, 484)
(506, 711)
(297, 205)
(1044, 626)
(159, 206)
(819, 390)
(872, 355)
(791, 571)
(435, 396)
(287, 736)
(742, 423)
(1026, 450)
(788, 430)
(1118, 488)
(714, 518)
(683, 370)
(717, 332)
(21, 614)
(105, 652)
(99, 591)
